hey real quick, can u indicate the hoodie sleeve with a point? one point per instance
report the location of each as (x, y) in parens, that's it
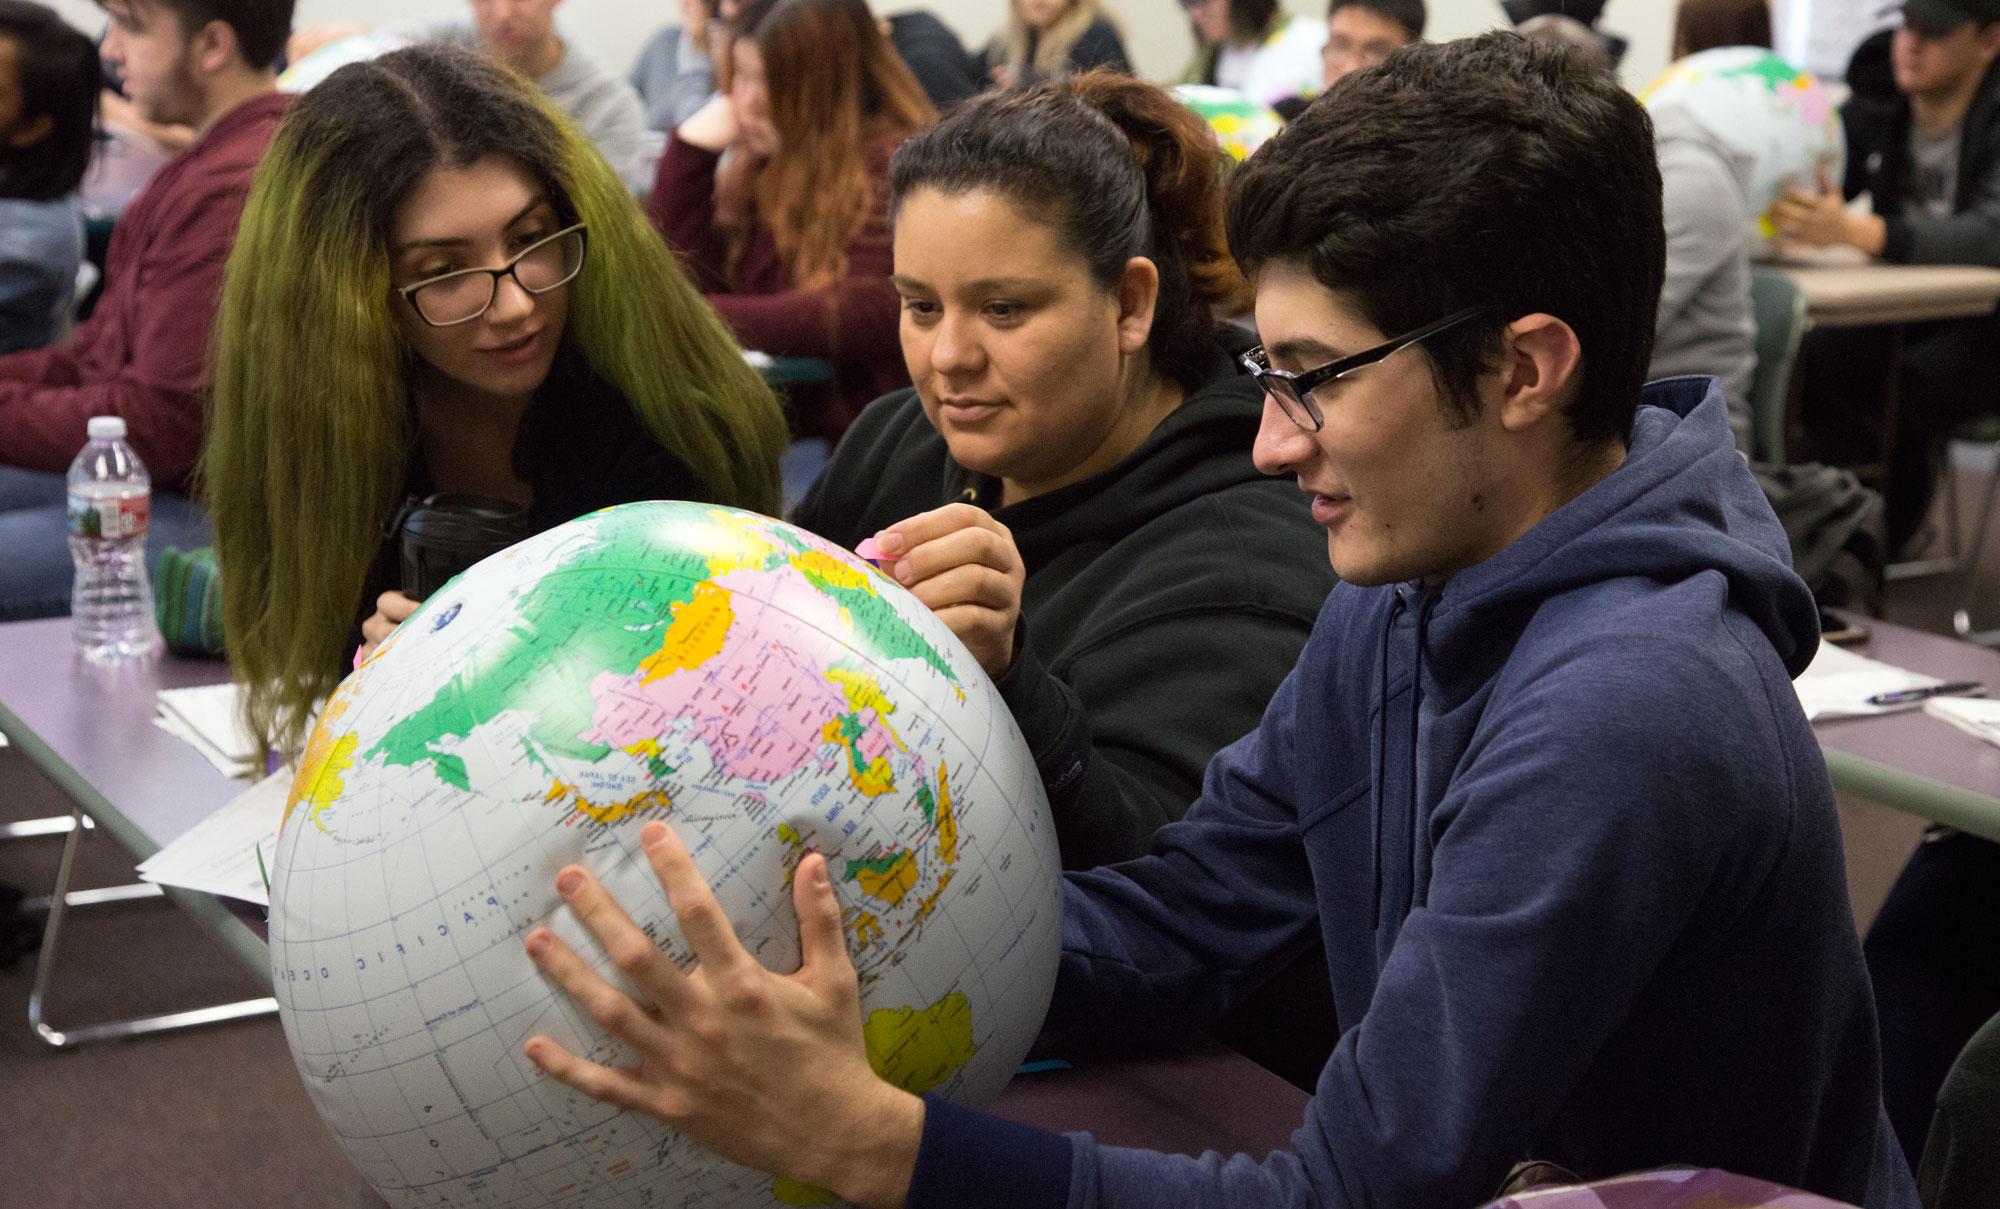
(1559, 885)
(1122, 735)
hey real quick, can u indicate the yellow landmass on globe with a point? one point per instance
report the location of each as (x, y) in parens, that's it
(734, 543)
(864, 927)
(930, 902)
(791, 1192)
(947, 819)
(872, 777)
(863, 692)
(648, 801)
(917, 1049)
(321, 775)
(696, 635)
(828, 569)
(888, 883)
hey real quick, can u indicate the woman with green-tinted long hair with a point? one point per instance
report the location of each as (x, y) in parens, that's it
(439, 286)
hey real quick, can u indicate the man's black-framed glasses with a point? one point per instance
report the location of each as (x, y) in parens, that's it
(461, 297)
(1293, 391)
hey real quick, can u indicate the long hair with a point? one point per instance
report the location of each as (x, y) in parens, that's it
(1118, 168)
(59, 79)
(1705, 24)
(836, 86)
(310, 421)
(1052, 47)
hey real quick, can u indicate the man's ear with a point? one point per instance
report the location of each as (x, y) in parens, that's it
(1138, 295)
(1541, 365)
(1989, 42)
(213, 48)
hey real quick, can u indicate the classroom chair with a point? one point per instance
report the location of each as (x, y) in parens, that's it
(1960, 1168)
(1779, 310)
(1983, 431)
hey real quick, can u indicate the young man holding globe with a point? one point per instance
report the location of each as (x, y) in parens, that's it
(1539, 778)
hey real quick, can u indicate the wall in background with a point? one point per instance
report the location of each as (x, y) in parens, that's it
(612, 31)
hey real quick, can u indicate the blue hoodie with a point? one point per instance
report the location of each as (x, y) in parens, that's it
(1571, 848)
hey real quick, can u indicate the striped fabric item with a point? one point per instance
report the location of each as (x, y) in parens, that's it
(1668, 1188)
(187, 602)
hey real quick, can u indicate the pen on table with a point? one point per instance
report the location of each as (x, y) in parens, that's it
(1904, 696)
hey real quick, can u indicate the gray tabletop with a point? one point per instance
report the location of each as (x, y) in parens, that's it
(1910, 760)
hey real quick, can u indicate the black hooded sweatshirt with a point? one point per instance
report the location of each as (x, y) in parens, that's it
(1166, 597)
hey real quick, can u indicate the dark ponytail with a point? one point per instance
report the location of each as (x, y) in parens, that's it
(1120, 169)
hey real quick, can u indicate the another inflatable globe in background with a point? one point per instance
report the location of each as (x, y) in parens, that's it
(763, 692)
(1780, 119)
(1240, 124)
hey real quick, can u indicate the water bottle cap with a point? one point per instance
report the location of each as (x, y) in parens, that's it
(107, 428)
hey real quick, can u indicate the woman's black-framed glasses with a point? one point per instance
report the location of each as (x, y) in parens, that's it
(461, 297)
(1293, 391)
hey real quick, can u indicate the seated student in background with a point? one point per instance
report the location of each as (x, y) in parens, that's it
(675, 74)
(1539, 778)
(141, 354)
(1069, 484)
(1706, 325)
(1254, 48)
(48, 113)
(1706, 24)
(522, 34)
(946, 71)
(1045, 39)
(789, 231)
(1935, 190)
(439, 287)
(1360, 34)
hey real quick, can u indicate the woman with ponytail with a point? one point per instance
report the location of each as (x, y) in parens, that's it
(438, 285)
(775, 195)
(1069, 484)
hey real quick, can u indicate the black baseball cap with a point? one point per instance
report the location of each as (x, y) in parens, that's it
(1937, 18)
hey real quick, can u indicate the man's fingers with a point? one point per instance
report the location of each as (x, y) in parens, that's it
(610, 1008)
(701, 917)
(629, 948)
(822, 943)
(605, 1084)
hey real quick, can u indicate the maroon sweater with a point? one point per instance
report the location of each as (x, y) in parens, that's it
(851, 324)
(143, 352)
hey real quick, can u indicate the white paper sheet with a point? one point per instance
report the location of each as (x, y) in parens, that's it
(228, 852)
(1976, 716)
(206, 718)
(1839, 683)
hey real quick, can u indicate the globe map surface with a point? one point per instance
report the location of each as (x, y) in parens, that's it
(1782, 119)
(763, 692)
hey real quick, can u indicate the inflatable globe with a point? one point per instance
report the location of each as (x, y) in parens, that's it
(763, 692)
(1240, 124)
(1779, 119)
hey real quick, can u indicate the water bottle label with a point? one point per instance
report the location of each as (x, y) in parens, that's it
(112, 517)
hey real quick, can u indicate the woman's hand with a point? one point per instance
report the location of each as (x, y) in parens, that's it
(767, 1070)
(713, 126)
(391, 610)
(964, 566)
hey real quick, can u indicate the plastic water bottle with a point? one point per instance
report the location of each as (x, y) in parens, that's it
(110, 500)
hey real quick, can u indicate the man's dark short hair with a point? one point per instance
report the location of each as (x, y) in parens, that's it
(261, 26)
(1409, 14)
(1487, 170)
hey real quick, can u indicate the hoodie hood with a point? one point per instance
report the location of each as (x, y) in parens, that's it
(1683, 504)
(1674, 126)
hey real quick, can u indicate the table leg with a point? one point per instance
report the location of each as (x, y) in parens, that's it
(59, 901)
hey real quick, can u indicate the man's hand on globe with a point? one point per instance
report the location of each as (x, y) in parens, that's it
(766, 1070)
(964, 566)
